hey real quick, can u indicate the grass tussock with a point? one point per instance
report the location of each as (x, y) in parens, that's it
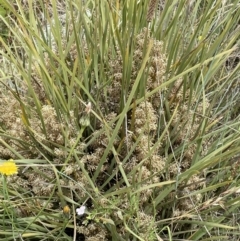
(120, 120)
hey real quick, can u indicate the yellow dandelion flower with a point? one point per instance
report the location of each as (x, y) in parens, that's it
(8, 168)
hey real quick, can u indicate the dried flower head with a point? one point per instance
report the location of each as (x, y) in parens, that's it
(66, 210)
(151, 8)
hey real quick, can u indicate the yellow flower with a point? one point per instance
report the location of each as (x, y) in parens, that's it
(8, 168)
(66, 209)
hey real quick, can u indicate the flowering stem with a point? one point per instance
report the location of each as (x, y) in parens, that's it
(75, 144)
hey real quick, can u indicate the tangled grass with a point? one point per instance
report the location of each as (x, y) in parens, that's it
(122, 118)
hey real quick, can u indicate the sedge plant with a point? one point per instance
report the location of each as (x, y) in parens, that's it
(122, 118)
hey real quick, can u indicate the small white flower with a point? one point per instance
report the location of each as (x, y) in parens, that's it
(80, 211)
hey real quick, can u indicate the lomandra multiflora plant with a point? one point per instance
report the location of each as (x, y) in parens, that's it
(119, 116)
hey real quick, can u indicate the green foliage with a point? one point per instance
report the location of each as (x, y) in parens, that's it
(127, 109)
(3, 16)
